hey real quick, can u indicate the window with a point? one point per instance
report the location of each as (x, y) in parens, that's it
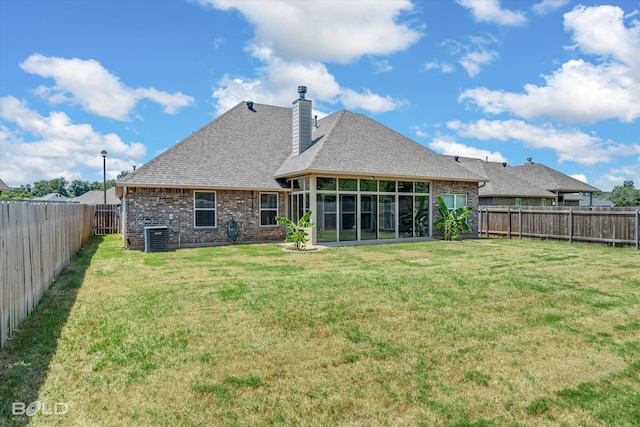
(205, 209)
(268, 209)
(454, 201)
(518, 201)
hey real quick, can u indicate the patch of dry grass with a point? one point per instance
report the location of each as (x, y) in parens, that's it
(485, 332)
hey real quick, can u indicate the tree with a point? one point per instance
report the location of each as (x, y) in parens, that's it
(625, 194)
(44, 187)
(78, 187)
(452, 222)
(122, 175)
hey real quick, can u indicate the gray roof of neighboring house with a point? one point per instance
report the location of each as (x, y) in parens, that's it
(3, 186)
(551, 179)
(585, 201)
(501, 183)
(528, 180)
(243, 149)
(55, 197)
(96, 197)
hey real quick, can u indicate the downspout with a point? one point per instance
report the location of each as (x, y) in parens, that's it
(123, 220)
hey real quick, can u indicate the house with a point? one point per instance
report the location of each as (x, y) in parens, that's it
(3, 186)
(229, 180)
(530, 184)
(55, 197)
(96, 197)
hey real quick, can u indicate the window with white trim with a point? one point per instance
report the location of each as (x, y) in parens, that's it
(205, 208)
(454, 201)
(268, 209)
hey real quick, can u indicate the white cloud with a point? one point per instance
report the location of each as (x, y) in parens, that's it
(436, 65)
(369, 101)
(294, 38)
(491, 11)
(59, 147)
(327, 31)
(546, 6)
(473, 60)
(88, 84)
(580, 177)
(580, 91)
(601, 31)
(569, 145)
(448, 146)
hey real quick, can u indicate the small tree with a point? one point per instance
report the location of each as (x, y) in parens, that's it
(451, 222)
(297, 233)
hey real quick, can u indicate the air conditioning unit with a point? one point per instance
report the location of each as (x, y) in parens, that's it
(156, 239)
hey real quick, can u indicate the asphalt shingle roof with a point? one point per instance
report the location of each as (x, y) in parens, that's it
(244, 149)
(3, 186)
(96, 197)
(528, 180)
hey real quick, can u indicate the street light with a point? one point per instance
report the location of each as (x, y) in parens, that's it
(104, 174)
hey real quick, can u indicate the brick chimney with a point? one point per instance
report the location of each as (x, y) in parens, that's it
(302, 122)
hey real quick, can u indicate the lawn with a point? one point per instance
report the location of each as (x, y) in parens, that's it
(478, 333)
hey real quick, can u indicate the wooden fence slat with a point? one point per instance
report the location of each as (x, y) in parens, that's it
(37, 240)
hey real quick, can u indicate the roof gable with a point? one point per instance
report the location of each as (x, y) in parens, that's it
(349, 143)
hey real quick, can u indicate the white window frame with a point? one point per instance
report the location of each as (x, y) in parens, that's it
(263, 209)
(455, 199)
(214, 209)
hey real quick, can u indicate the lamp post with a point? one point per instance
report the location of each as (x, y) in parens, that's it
(104, 174)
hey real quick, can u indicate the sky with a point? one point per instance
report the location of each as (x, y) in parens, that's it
(557, 81)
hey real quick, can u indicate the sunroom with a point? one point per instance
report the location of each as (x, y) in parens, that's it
(351, 209)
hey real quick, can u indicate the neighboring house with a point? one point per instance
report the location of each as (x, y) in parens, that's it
(590, 201)
(96, 197)
(362, 180)
(55, 197)
(531, 184)
(3, 186)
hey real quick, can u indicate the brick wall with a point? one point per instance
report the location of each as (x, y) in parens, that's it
(440, 188)
(146, 207)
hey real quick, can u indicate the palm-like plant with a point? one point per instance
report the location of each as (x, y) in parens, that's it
(297, 232)
(451, 222)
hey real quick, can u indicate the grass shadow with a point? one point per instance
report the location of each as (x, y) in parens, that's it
(25, 359)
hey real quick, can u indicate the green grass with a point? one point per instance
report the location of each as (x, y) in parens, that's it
(478, 333)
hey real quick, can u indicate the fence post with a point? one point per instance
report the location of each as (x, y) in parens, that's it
(637, 229)
(570, 225)
(509, 216)
(520, 223)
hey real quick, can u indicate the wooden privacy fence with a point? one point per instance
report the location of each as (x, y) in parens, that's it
(616, 226)
(37, 240)
(106, 220)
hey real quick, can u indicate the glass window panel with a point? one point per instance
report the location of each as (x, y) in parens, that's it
(368, 185)
(387, 186)
(326, 184)
(205, 200)
(347, 217)
(326, 223)
(387, 217)
(422, 187)
(461, 200)
(268, 201)
(421, 216)
(347, 184)
(405, 187)
(449, 200)
(268, 217)
(368, 217)
(405, 215)
(205, 218)
(298, 184)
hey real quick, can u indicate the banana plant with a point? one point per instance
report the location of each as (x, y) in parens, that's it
(297, 232)
(451, 222)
